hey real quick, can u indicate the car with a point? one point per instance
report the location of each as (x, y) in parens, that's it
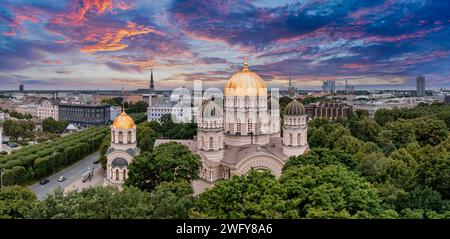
(44, 181)
(96, 161)
(12, 145)
(61, 179)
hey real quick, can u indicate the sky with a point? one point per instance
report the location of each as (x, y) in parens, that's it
(110, 44)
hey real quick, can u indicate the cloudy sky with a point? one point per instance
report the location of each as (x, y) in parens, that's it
(110, 44)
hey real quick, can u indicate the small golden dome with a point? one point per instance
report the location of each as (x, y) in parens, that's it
(123, 121)
(245, 83)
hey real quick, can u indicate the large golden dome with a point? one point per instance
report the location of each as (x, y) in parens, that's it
(123, 121)
(245, 83)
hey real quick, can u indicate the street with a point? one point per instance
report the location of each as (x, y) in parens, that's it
(71, 173)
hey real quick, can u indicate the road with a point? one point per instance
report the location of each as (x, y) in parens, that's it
(72, 174)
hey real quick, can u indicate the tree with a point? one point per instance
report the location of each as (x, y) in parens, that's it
(424, 197)
(326, 135)
(332, 191)
(364, 129)
(53, 126)
(318, 122)
(138, 107)
(106, 143)
(156, 126)
(399, 133)
(321, 157)
(170, 200)
(434, 170)
(349, 144)
(129, 203)
(116, 101)
(175, 161)
(15, 201)
(168, 162)
(255, 195)
(430, 131)
(382, 116)
(142, 172)
(146, 137)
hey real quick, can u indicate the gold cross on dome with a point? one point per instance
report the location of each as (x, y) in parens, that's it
(245, 62)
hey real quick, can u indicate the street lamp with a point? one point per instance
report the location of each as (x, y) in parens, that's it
(1, 177)
(54, 163)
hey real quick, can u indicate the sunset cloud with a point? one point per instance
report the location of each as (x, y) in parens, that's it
(90, 43)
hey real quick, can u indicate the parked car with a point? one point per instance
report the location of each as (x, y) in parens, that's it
(44, 181)
(12, 145)
(96, 161)
(61, 179)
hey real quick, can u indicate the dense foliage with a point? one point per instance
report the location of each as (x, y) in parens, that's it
(18, 129)
(40, 160)
(167, 162)
(18, 115)
(54, 126)
(356, 168)
(15, 201)
(171, 130)
(130, 108)
(169, 200)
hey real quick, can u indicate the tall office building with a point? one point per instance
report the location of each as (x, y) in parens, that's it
(21, 88)
(420, 86)
(329, 86)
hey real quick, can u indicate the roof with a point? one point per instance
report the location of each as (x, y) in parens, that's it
(85, 105)
(211, 109)
(119, 162)
(123, 121)
(295, 108)
(71, 127)
(245, 83)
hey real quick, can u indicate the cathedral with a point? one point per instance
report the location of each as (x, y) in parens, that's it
(244, 134)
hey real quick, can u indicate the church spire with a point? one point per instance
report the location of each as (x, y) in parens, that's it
(152, 83)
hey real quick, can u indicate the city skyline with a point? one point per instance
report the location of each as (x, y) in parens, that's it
(110, 44)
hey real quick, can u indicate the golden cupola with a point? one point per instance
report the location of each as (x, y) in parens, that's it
(245, 83)
(123, 121)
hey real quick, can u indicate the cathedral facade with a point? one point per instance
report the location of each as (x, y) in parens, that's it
(244, 134)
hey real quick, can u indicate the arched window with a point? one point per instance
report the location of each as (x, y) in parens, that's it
(220, 143)
(120, 137)
(113, 137)
(129, 137)
(124, 174)
(117, 174)
(299, 136)
(202, 142)
(239, 126)
(211, 143)
(290, 139)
